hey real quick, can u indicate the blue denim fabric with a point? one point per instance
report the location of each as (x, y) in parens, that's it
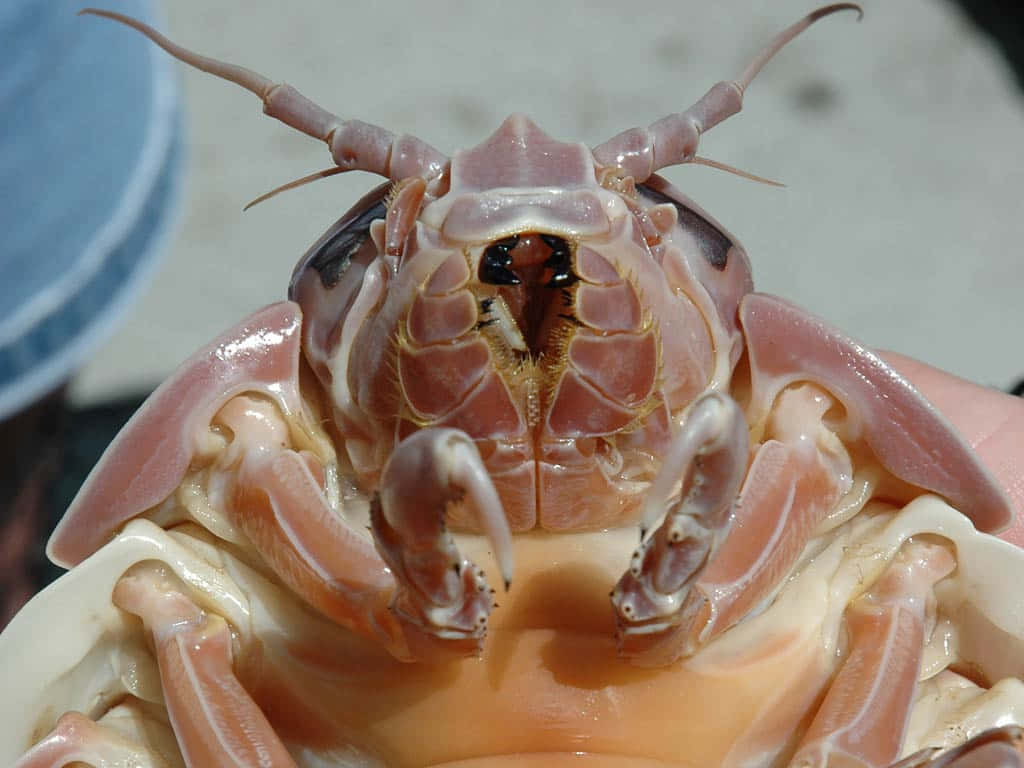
(90, 165)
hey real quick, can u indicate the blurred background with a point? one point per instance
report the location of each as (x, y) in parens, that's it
(899, 139)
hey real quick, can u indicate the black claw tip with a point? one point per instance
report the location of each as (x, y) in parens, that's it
(494, 267)
(498, 275)
(560, 262)
(560, 279)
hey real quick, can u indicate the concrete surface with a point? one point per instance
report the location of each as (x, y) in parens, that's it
(899, 139)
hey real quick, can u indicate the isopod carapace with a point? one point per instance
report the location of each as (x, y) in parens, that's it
(548, 345)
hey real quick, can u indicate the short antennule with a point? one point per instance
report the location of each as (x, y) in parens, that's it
(639, 152)
(354, 145)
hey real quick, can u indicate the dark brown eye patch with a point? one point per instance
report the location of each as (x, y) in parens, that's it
(333, 253)
(712, 241)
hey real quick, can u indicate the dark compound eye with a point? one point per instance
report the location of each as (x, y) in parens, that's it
(713, 242)
(332, 254)
(494, 266)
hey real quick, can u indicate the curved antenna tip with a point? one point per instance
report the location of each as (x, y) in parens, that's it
(834, 8)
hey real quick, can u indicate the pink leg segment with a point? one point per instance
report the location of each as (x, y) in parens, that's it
(862, 721)
(215, 720)
(788, 491)
(795, 479)
(77, 739)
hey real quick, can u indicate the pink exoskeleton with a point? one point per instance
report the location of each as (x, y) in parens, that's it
(545, 344)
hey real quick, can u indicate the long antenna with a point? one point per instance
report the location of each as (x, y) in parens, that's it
(354, 145)
(639, 152)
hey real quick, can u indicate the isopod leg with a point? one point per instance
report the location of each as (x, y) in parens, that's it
(995, 748)
(710, 453)
(440, 594)
(797, 476)
(430, 602)
(215, 720)
(863, 718)
(77, 739)
(711, 563)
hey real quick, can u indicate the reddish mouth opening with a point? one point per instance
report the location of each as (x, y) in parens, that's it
(533, 275)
